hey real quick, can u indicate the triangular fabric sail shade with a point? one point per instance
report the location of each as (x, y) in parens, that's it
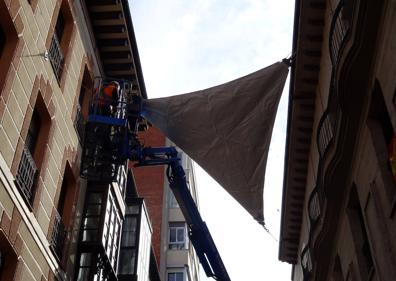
(227, 130)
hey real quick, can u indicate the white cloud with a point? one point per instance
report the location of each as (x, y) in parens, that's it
(191, 45)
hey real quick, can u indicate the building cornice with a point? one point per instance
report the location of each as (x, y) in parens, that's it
(307, 48)
(112, 28)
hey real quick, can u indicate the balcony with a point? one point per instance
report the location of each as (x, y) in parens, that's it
(26, 176)
(314, 207)
(58, 236)
(56, 57)
(306, 263)
(325, 133)
(339, 29)
(79, 124)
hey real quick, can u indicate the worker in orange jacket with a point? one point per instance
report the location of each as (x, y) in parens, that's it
(106, 98)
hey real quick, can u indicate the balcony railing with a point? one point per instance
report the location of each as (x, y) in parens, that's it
(306, 263)
(26, 175)
(314, 207)
(56, 57)
(339, 28)
(79, 124)
(325, 134)
(58, 236)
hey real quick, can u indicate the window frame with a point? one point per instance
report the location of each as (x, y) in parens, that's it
(177, 244)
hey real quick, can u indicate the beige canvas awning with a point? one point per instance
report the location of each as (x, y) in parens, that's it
(227, 130)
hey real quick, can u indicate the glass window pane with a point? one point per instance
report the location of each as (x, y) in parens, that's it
(95, 198)
(180, 234)
(127, 261)
(132, 210)
(93, 210)
(85, 259)
(179, 276)
(91, 222)
(130, 223)
(172, 235)
(89, 235)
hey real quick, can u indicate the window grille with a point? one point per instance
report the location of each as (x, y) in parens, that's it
(79, 123)
(56, 57)
(26, 175)
(58, 236)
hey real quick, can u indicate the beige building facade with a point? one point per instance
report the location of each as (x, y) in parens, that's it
(179, 261)
(339, 201)
(50, 53)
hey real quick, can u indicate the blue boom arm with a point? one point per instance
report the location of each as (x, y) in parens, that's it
(110, 139)
(198, 231)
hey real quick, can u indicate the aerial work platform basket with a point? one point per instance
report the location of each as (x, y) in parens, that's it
(105, 144)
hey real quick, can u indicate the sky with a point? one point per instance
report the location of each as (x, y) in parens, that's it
(189, 45)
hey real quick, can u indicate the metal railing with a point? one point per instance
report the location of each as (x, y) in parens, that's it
(338, 31)
(306, 263)
(325, 133)
(26, 175)
(58, 236)
(79, 124)
(314, 207)
(327, 130)
(56, 57)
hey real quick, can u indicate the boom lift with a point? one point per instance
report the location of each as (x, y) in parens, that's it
(111, 139)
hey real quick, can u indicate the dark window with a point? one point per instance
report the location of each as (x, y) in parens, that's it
(63, 213)
(60, 41)
(92, 217)
(2, 40)
(360, 237)
(60, 25)
(129, 240)
(34, 150)
(384, 140)
(8, 259)
(33, 132)
(337, 270)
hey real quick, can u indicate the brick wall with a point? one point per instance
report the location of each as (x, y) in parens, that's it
(150, 186)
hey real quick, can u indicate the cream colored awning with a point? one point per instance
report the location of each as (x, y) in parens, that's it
(227, 130)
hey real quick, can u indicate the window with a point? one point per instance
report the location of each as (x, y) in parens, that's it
(34, 150)
(92, 217)
(8, 259)
(111, 230)
(129, 240)
(83, 103)
(337, 270)
(2, 40)
(175, 276)
(99, 237)
(63, 213)
(60, 41)
(8, 42)
(360, 237)
(33, 131)
(172, 200)
(384, 141)
(177, 235)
